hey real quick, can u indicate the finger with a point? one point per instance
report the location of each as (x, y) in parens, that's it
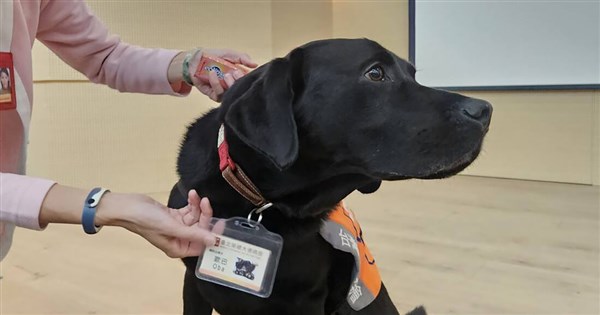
(206, 213)
(231, 56)
(193, 234)
(204, 89)
(239, 58)
(194, 198)
(215, 84)
(197, 82)
(182, 241)
(193, 208)
(229, 79)
(219, 227)
(215, 97)
(247, 61)
(237, 74)
(167, 245)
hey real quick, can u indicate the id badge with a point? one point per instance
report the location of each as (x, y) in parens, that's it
(244, 257)
(8, 98)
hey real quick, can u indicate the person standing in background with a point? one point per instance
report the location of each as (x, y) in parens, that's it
(71, 30)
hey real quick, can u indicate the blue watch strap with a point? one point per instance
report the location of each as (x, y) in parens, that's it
(89, 210)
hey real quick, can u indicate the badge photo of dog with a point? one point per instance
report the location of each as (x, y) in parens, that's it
(308, 129)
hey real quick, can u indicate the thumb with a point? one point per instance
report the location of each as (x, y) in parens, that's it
(194, 234)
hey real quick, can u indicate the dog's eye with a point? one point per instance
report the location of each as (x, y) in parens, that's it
(375, 74)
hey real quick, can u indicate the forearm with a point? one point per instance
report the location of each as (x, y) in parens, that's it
(65, 205)
(73, 32)
(178, 232)
(62, 205)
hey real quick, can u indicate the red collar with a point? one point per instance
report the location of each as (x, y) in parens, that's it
(234, 175)
(223, 147)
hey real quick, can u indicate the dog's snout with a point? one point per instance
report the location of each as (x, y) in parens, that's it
(478, 110)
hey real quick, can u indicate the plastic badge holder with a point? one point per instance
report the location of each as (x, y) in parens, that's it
(244, 257)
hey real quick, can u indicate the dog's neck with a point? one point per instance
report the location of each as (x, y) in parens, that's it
(198, 168)
(300, 194)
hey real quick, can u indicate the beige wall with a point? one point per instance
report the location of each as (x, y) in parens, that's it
(383, 21)
(547, 136)
(84, 134)
(298, 22)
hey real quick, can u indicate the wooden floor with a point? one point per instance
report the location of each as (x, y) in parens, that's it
(466, 245)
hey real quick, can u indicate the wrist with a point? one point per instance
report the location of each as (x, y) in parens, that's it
(174, 72)
(183, 66)
(123, 210)
(108, 211)
(90, 207)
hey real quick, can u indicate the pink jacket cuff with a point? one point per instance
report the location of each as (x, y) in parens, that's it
(21, 199)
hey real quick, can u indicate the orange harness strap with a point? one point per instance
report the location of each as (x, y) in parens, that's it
(343, 232)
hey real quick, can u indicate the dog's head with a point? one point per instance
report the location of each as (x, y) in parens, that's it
(354, 108)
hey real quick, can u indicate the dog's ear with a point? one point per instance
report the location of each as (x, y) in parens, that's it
(263, 117)
(370, 187)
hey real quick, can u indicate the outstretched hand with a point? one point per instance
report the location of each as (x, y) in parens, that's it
(178, 233)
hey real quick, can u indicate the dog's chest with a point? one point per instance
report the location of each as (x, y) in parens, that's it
(318, 271)
(303, 285)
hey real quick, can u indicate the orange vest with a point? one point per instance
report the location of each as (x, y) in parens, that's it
(343, 232)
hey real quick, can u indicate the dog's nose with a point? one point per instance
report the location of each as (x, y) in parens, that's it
(478, 110)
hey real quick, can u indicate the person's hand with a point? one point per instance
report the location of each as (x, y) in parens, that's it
(179, 233)
(213, 88)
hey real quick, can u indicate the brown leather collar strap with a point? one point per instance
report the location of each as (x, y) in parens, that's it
(234, 175)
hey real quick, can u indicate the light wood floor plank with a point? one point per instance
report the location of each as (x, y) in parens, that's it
(466, 245)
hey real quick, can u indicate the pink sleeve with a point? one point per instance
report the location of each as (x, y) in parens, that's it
(72, 31)
(21, 199)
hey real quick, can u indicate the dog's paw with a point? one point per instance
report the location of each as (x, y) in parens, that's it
(417, 311)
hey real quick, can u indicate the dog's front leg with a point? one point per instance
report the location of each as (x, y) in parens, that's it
(382, 305)
(193, 302)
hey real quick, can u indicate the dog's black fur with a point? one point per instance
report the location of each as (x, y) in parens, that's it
(309, 129)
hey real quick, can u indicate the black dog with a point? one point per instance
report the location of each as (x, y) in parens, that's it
(332, 117)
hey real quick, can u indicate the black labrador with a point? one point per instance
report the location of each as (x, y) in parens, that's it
(331, 117)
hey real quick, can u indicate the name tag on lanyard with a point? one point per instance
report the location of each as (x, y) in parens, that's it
(11, 127)
(8, 97)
